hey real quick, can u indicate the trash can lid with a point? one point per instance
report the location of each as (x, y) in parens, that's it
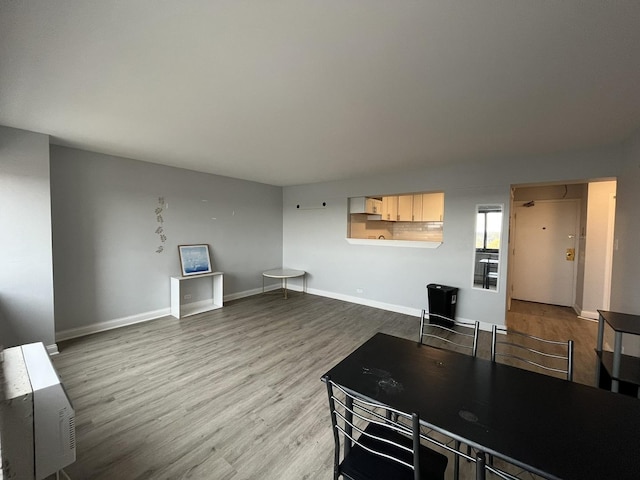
(442, 287)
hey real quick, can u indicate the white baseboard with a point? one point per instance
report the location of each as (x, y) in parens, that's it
(253, 291)
(363, 301)
(111, 324)
(141, 317)
(52, 349)
(147, 316)
(588, 315)
(484, 326)
(415, 312)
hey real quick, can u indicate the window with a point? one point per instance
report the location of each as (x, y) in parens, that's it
(487, 248)
(488, 229)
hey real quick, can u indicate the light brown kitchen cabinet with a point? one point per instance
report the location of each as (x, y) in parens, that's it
(432, 207)
(405, 208)
(390, 208)
(417, 207)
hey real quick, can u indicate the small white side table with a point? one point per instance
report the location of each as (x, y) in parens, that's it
(179, 310)
(283, 274)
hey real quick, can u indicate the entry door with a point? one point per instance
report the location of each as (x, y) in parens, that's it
(544, 252)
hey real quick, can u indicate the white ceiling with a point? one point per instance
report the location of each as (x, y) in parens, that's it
(292, 91)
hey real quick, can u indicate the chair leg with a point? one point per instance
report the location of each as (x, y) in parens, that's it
(456, 462)
(480, 467)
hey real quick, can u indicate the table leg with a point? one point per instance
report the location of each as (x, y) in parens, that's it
(600, 333)
(285, 288)
(599, 345)
(617, 355)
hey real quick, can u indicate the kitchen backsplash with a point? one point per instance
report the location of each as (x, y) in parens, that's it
(418, 231)
(362, 227)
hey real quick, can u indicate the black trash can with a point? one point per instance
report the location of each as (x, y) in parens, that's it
(442, 301)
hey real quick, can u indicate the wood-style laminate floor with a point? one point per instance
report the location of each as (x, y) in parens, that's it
(234, 393)
(562, 323)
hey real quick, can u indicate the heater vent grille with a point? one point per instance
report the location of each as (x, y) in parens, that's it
(72, 433)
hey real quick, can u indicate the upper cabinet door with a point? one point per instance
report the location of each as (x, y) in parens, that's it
(374, 206)
(417, 207)
(405, 208)
(432, 207)
(390, 208)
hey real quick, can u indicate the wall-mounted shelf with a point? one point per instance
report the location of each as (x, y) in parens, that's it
(179, 310)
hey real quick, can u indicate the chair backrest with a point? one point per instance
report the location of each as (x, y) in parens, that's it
(459, 335)
(352, 417)
(551, 356)
(379, 441)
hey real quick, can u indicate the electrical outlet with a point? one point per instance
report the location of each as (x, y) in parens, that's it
(187, 296)
(359, 290)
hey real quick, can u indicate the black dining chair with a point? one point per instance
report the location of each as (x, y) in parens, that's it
(458, 335)
(553, 357)
(442, 332)
(546, 356)
(375, 446)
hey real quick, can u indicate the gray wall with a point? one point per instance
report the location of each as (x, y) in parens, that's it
(395, 278)
(625, 281)
(26, 278)
(105, 238)
(597, 249)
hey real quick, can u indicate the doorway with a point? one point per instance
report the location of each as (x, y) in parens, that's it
(561, 244)
(544, 266)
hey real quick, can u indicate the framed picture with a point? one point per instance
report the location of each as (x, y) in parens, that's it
(194, 259)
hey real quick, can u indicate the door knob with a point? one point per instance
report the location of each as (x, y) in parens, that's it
(571, 254)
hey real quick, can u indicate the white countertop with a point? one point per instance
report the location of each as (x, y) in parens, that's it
(393, 243)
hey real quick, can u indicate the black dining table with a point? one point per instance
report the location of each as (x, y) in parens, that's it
(549, 426)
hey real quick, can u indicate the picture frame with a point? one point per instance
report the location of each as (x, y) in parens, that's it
(194, 259)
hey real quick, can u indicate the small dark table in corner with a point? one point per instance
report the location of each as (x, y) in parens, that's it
(615, 371)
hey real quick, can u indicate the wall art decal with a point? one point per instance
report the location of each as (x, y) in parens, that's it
(162, 206)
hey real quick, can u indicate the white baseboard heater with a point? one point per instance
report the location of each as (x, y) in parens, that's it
(37, 419)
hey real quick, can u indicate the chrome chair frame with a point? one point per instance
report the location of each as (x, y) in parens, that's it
(351, 417)
(537, 352)
(540, 356)
(443, 334)
(446, 331)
